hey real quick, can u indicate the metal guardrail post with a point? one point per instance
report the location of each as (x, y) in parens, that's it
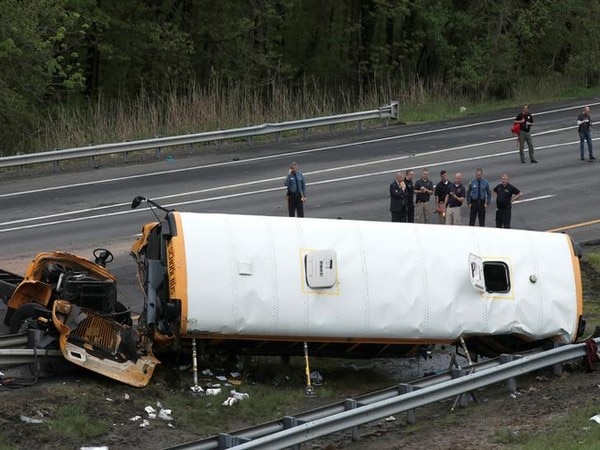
(405, 388)
(227, 440)
(291, 422)
(511, 383)
(395, 110)
(462, 398)
(350, 403)
(557, 369)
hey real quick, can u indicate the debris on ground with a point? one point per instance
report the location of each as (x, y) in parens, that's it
(235, 397)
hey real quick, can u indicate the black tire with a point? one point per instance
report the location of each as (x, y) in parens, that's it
(27, 314)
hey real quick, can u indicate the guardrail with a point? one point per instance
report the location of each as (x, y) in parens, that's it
(295, 430)
(385, 112)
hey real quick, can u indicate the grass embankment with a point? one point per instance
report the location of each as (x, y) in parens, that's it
(223, 106)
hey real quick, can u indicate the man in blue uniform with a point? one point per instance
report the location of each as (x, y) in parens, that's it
(479, 196)
(296, 191)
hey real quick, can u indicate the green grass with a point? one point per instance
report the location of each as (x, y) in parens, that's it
(73, 421)
(594, 260)
(4, 445)
(280, 391)
(573, 431)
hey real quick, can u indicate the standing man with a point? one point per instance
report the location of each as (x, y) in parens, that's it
(479, 196)
(584, 123)
(454, 200)
(410, 196)
(423, 191)
(398, 199)
(440, 194)
(525, 119)
(296, 191)
(505, 194)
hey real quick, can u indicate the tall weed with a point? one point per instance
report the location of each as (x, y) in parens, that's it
(223, 104)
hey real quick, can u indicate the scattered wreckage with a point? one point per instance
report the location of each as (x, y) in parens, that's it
(242, 284)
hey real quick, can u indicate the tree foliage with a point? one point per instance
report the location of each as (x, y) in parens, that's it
(57, 52)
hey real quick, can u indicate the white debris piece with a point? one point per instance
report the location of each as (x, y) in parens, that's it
(235, 397)
(165, 414)
(171, 425)
(213, 391)
(197, 389)
(596, 418)
(32, 420)
(108, 399)
(126, 396)
(144, 423)
(150, 411)
(221, 378)
(207, 372)
(135, 418)
(390, 419)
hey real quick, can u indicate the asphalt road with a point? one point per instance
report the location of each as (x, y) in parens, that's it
(348, 176)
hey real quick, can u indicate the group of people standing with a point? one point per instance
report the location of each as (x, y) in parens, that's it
(411, 201)
(524, 121)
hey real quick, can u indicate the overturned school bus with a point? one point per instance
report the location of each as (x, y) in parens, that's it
(266, 285)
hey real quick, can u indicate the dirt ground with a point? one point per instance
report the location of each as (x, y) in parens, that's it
(488, 422)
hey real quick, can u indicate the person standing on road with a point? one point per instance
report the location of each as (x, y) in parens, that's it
(423, 192)
(525, 119)
(584, 124)
(440, 194)
(398, 199)
(505, 194)
(479, 196)
(296, 191)
(454, 200)
(410, 196)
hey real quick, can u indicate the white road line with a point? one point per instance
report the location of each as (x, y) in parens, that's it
(533, 199)
(236, 195)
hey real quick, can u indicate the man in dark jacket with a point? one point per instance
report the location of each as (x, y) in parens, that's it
(398, 199)
(506, 194)
(584, 127)
(525, 119)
